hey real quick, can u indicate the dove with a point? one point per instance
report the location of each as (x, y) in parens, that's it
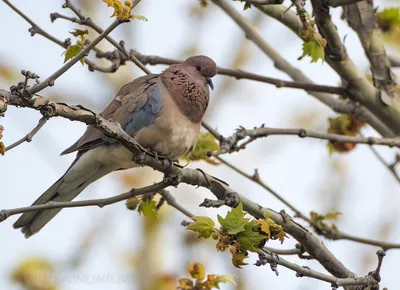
(162, 112)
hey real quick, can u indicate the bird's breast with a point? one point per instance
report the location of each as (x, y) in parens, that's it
(172, 134)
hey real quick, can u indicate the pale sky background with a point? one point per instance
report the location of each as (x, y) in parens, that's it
(301, 170)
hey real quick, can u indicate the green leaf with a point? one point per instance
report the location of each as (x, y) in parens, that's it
(79, 32)
(238, 260)
(250, 240)
(72, 51)
(205, 143)
(331, 148)
(224, 279)
(197, 271)
(203, 226)
(234, 222)
(132, 203)
(246, 6)
(185, 284)
(313, 49)
(149, 209)
(332, 215)
(203, 3)
(140, 17)
(391, 15)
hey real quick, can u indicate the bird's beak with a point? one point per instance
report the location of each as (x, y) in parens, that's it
(210, 83)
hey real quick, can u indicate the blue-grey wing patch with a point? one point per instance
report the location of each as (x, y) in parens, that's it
(144, 115)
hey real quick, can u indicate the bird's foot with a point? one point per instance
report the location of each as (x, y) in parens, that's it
(169, 164)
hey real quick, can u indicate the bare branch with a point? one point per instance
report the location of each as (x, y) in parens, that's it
(360, 88)
(230, 144)
(172, 202)
(390, 167)
(186, 175)
(101, 202)
(284, 252)
(256, 178)
(84, 52)
(338, 3)
(327, 232)
(303, 271)
(89, 22)
(35, 28)
(361, 17)
(30, 135)
(265, 2)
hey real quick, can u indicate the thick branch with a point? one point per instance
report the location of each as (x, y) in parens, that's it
(190, 176)
(361, 17)
(297, 75)
(338, 3)
(361, 89)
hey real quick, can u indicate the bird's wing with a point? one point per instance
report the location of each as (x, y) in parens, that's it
(135, 107)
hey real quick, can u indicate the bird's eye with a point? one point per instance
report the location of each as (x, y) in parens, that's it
(198, 68)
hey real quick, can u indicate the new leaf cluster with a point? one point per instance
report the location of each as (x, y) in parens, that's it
(238, 234)
(76, 48)
(123, 11)
(198, 279)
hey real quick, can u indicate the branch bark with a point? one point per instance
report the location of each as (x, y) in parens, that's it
(361, 90)
(361, 17)
(297, 75)
(186, 175)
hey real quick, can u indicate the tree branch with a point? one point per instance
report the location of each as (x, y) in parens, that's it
(361, 90)
(390, 167)
(361, 18)
(101, 202)
(327, 232)
(338, 3)
(186, 175)
(231, 143)
(89, 22)
(304, 271)
(30, 135)
(84, 52)
(297, 75)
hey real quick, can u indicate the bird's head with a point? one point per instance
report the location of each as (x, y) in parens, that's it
(202, 65)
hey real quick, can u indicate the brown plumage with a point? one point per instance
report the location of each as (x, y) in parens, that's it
(162, 112)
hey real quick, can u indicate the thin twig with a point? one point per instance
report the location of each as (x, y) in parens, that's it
(50, 80)
(303, 271)
(326, 232)
(256, 178)
(101, 202)
(297, 75)
(89, 22)
(35, 28)
(390, 167)
(231, 143)
(30, 135)
(172, 202)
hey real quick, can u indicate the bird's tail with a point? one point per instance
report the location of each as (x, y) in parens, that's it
(73, 182)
